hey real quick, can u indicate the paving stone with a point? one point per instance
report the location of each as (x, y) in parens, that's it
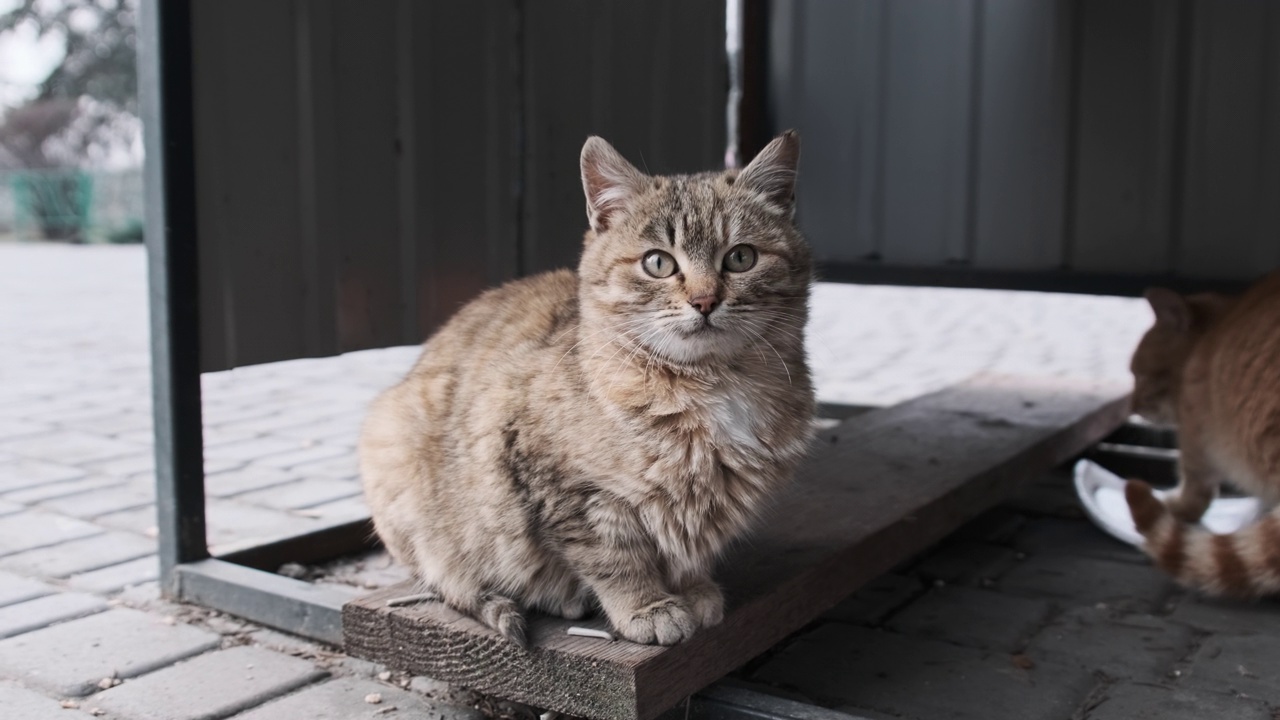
(1127, 701)
(78, 556)
(1052, 494)
(101, 502)
(1087, 581)
(233, 524)
(21, 704)
(213, 685)
(217, 465)
(973, 618)
(42, 493)
(342, 467)
(10, 508)
(11, 428)
(304, 456)
(1243, 665)
(223, 434)
(352, 508)
(31, 530)
(244, 479)
(141, 520)
(877, 600)
(115, 423)
(117, 577)
(1131, 646)
(21, 473)
(71, 447)
(1056, 536)
(345, 428)
(69, 660)
(301, 494)
(255, 449)
(344, 699)
(922, 679)
(142, 463)
(1228, 616)
(997, 525)
(966, 563)
(34, 614)
(16, 589)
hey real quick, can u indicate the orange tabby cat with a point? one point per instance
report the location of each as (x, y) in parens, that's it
(1211, 366)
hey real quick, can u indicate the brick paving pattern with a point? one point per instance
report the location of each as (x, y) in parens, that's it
(1028, 612)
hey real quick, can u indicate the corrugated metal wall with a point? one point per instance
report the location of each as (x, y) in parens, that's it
(365, 166)
(990, 141)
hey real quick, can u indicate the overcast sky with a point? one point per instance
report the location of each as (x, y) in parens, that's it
(24, 61)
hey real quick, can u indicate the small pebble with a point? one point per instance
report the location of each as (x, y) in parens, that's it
(385, 675)
(69, 704)
(373, 698)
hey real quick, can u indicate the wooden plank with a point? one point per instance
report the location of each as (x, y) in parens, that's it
(1022, 134)
(1126, 112)
(879, 488)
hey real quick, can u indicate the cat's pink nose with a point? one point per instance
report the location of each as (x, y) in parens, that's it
(704, 303)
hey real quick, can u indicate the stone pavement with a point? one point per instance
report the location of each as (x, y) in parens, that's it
(1028, 609)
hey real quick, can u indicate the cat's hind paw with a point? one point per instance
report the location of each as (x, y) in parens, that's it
(665, 622)
(707, 602)
(503, 615)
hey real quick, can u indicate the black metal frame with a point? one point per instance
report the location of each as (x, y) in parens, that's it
(240, 583)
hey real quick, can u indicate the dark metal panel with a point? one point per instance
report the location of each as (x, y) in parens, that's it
(831, 91)
(1126, 118)
(463, 93)
(1228, 216)
(255, 203)
(1021, 138)
(318, 147)
(164, 72)
(649, 77)
(929, 106)
(362, 217)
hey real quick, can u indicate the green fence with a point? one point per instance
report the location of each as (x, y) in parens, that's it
(71, 205)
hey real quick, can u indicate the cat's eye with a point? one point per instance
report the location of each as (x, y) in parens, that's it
(659, 264)
(740, 258)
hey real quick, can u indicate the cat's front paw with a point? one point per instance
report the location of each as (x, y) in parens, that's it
(707, 603)
(665, 622)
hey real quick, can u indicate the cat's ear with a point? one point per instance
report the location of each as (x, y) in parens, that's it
(773, 172)
(608, 181)
(1171, 309)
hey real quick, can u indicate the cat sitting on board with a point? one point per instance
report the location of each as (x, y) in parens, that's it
(596, 438)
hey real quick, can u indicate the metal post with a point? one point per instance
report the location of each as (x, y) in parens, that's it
(165, 79)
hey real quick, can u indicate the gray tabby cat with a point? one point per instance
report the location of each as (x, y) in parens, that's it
(597, 438)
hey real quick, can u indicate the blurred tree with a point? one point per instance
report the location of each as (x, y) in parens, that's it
(84, 114)
(90, 98)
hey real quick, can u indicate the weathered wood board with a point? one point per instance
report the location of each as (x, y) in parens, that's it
(878, 489)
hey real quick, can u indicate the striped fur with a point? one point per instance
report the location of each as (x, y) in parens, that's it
(576, 440)
(1210, 366)
(1245, 564)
